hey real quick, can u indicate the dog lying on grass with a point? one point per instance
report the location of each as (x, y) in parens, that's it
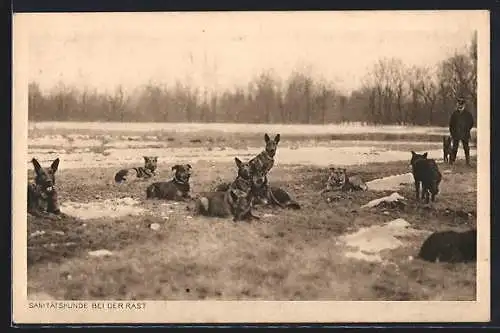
(255, 181)
(450, 246)
(232, 202)
(338, 180)
(145, 172)
(177, 189)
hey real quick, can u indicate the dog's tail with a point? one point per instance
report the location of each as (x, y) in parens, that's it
(281, 198)
(293, 204)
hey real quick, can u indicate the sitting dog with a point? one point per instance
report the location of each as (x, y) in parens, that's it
(145, 172)
(263, 163)
(42, 194)
(177, 189)
(426, 172)
(232, 202)
(450, 246)
(338, 180)
(446, 148)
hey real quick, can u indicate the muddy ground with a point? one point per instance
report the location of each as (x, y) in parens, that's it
(287, 255)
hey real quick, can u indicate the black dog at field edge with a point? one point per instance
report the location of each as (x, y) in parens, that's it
(426, 172)
(177, 189)
(450, 246)
(42, 194)
(447, 140)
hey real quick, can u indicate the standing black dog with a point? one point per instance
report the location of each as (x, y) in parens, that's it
(145, 172)
(425, 171)
(447, 148)
(177, 189)
(42, 194)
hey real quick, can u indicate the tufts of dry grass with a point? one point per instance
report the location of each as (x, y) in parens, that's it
(289, 255)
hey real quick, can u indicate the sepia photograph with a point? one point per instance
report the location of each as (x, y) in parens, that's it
(297, 164)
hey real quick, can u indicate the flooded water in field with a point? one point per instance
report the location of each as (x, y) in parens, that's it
(368, 243)
(289, 129)
(107, 208)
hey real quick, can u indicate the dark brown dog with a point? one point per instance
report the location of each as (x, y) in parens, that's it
(177, 189)
(426, 172)
(42, 194)
(446, 148)
(232, 202)
(450, 246)
(243, 180)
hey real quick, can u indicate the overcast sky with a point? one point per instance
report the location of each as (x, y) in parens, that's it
(220, 50)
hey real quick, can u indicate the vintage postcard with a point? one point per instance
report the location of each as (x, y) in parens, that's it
(256, 167)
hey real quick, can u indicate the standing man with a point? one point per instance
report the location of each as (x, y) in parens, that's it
(461, 122)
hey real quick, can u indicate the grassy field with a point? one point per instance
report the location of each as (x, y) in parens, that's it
(287, 255)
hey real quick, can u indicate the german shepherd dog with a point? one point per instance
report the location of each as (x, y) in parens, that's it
(145, 172)
(177, 189)
(42, 194)
(271, 195)
(232, 202)
(338, 180)
(450, 246)
(264, 162)
(446, 148)
(243, 180)
(425, 171)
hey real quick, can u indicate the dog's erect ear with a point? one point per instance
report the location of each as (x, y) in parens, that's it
(189, 166)
(266, 138)
(175, 167)
(36, 165)
(55, 165)
(238, 162)
(413, 153)
(332, 169)
(277, 138)
(425, 155)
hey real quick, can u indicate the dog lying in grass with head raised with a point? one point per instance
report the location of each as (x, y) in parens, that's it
(177, 189)
(338, 180)
(255, 181)
(145, 172)
(271, 195)
(235, 198)
(42, 194)
(426, 172)
(232, 202)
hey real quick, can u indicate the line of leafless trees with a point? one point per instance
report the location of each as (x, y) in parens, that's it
(392, 93)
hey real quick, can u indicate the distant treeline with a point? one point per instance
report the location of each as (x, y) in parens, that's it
(392, 93)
